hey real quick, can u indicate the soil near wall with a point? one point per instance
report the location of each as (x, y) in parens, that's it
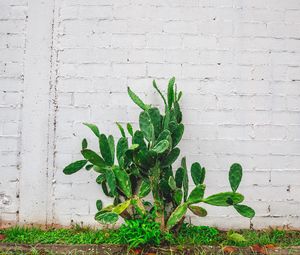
(120, 249)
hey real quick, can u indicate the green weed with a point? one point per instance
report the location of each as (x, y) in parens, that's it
(141, 233)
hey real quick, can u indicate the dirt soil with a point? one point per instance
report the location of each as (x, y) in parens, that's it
(119, 249)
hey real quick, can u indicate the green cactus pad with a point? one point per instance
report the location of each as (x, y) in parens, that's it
(172, 183)
(245, 211)
(159, 92)
(161, 147)
(74, 167)
(129, 129)
(156, 120)
(178, 196)
(88, 167)
(145, 188)
(197, 210)
(235, 176)
(198, 173)
(138, 205)
(185, 181)
(122, 146)
(105, 150)
(101, 178)
(111, 181)
(106, 217)
(111, 143)
(121, 207)
(171, 92)
(123, 181)
(164, 135)
(177, 215)
(137, 100)
(177, 111)
(94, 128)
(171, 157)
(93, 157)
(224, 199)
(196, 195)
(121, 129)
(146, 126)
(138, 138)
(177, 134)
(84, 144)
(99, 205)
(179, 177)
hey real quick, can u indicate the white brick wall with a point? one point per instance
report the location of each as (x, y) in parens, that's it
(236, 61)
(12, 47)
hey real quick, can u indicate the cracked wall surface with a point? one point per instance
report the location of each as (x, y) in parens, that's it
(237, 63)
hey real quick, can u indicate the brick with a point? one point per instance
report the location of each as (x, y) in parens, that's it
(12, 26)
(89, 3)
(288, 5)
(180, 27)
(165, 41)
(182, 56)
(280, 208)
(293, 73)
(72, 114)
(216, 28)
(95, 12)
(293, 131)
(73, 40)
(199, 42)
(89, 56)
(262, 15)
(72, 205)
(240, 132)
(162, 71)
(18, 12)
(85, 70)
(125, 41)
(277, 30)
(279, 178)
(253, 58)
(131, 70)
(142, 26)
(11, 128)
(75, 85)
(146, 55)
(248, 29)
(270, 132)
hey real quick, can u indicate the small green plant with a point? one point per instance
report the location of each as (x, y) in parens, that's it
(139, 232)
(235, 237)
(197, 235)
(141, 162)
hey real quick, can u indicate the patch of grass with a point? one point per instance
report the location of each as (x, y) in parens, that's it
(196, 235)
(281, 238)
(141, 233)
(74, 235)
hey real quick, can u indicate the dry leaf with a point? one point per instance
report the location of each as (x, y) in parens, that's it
(136, 251)
(259, 249)
(270, 246)
(2, 237)
(229, 249)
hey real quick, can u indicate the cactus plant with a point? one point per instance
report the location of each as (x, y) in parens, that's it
(143, 164)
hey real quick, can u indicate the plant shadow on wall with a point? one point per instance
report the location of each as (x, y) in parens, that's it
(143, 164)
